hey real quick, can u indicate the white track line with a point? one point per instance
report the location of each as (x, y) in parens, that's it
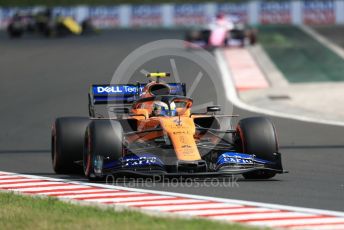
(233, 97)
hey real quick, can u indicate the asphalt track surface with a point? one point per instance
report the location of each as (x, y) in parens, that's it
(45, 78)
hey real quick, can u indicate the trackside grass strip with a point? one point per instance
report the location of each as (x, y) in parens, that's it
(299, 56)
(24, 212)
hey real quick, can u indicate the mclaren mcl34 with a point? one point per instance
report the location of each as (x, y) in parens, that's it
(149, 129)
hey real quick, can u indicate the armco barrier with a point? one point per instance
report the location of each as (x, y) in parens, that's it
(196, 14)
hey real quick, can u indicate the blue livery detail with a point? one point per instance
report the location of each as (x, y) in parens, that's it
(135, 161)
(239, 158)
(127, 93)
(131, 90)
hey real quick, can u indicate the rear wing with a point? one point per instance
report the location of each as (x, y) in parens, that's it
(123, 94)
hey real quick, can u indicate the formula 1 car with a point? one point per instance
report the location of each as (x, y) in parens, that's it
(221, 35)
(151, 130)
(20, 23)
(44, 23)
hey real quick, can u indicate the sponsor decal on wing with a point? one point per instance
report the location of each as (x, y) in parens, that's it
(239, 158)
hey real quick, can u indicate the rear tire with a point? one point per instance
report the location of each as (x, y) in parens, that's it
(67, 143)
(256, 135)
(88, 27)
(14, 32)
(103, 138)
(252, 37)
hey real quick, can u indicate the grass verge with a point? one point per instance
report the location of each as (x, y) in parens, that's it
(24, 212)
(299, 56)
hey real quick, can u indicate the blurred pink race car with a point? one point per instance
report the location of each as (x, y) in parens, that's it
(220, 33)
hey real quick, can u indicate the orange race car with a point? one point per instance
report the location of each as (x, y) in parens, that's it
(152, 131)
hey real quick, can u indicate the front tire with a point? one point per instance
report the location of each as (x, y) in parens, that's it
(104, 138)
(256, 135)
(67, 143)
(15, 31)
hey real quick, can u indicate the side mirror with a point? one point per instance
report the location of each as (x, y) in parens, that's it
(213, 108)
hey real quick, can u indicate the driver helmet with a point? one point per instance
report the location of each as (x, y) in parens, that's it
(160, 108)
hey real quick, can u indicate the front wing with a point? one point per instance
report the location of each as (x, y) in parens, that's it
(227, 164)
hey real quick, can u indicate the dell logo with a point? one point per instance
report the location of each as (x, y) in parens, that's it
(109, 89)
